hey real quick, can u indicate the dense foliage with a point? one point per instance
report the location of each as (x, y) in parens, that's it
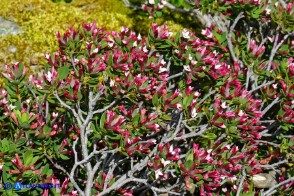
(117, 113)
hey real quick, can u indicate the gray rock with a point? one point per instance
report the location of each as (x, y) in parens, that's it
(264, 180)
(8, 27)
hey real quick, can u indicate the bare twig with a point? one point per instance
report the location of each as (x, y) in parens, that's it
(260, 86)
(269, 192)
(240, 187)
(267, 142)
(229, 38)
(105, 108)
(273, 165)
(206, 96)
(270, 106)
(73, 181)
(276, 47)
(175, 76)
(69, 108)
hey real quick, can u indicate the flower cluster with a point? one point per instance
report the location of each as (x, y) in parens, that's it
(130, 110)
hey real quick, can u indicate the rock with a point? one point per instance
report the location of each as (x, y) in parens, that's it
(8, 28)
(264, 180)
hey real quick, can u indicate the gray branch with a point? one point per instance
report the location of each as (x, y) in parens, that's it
(229, 38)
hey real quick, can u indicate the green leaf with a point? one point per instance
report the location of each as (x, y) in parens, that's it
(187, 101)
(46, 129)
(135, 120)
(166, 117)
(211, 136)
(63, 72)
(155, 100)
(188, 164)
(115, 137)
(45, 169)
(63, 157)
(190, 156)
(199, 182)
(102, 120)
(251, 193)
(21, 141)
(24, 125)
(24, 117)
(28, 156)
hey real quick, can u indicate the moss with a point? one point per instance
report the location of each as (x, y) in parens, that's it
(41, 19)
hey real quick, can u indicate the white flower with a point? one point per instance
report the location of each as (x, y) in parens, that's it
(127, 73)
(196, 94)
(135, 44)
(11, 107)
(194, 62)
(162, 69)
(224, 106)
(241, 113)
(233, 179)
(110, 44)
(177, 51)
(124, 29)
(160, 6)
(217, 66)
(267, 11)
(4, 101)
(139, 37)
(158, 173)
(95, 51)
(54, 115)
(171, 149)
(162, 62)
(28, 101)
(163, 2)
(151, 2)
(190, 57)
(223, 126)
(275, 86)
(111, 83)
(193, 113)
(145, 49)
(47, 56)
(179, 106)
(209, 151)
(165, 162)
(49, 76)
(208, 157)
(187, 68)
(186, 33)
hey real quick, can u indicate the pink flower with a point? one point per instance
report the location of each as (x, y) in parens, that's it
(207, 32)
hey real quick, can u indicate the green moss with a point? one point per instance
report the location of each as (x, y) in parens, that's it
(41, 19)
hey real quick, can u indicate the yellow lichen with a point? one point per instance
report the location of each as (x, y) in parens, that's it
(41, 19)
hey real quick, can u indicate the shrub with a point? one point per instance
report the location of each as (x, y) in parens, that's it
(122, 114)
